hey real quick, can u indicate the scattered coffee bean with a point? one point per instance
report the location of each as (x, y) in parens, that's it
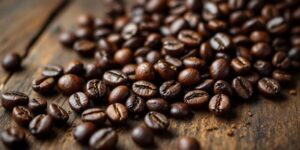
(158, 105)
(75, 67)
(79, 102)
(69, 84)
(222, 87)
(166, 70)
(22, 115)
(145, 71)
(103, 139)
(170, 89)
(179, 110)
(282, 76)
(219, 104)
(96, 89)
(242, 87)
(37, 105)
(156, 121)
(189, 77)
(117, 113)
(268, 87)
(43, 85)
(220, 69)
(142, 136)
(118, 94)
(196, 98)
(54, 71)
(93, 71)
(84, 131)
(144, 89)
(188, 143)
(13, 138)
(85, 47)
(67, 39)
(95, 115)
(114, 78)
(11, 62)
(221, 42)
(11, 99)
(57, 113)
(135, 104)
(41, 125)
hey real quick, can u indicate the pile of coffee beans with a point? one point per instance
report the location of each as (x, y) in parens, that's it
(161, 59)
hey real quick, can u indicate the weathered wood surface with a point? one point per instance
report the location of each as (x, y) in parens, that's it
(259, 124)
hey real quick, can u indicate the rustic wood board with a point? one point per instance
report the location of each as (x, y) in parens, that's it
(259, 124)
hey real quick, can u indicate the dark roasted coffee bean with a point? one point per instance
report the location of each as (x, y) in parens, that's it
(240, 65)
(84, 131)
(114, 78)
(241, 40)
(210, 11)
(268, 87)
(244, 52)
(194, 62)
(118, 94)
(79, 102)
(206, 51)
(11, 99)
(189, 77)
(142, 136)
(129, 70)
(260, 36)
(189, 38)
(85, 47)
(179, 110)
(281, 60)
(242, 87)
(54, 71)
(145, 71)
(153, 56)
(69, 84)
(222, 55)
(156, 121)
(57, 113)
(261, 50)
(104, 45)
(166, 70)
(96, 89)
(217, 25)
(123, 56)
(193, 5)
(103, 139)
(174, 61)
(196, 98)
(253, 24)
(222, 87)
(93, 71)
(37, 105)
(220, 42)
(282, 76)
(178, 25)
(219, 104)
(130, 30)
(173, 46)
(237, 4)
(144, 89)
(43, 85)
(294, 53)
(101, 33)
(188, 143)
(117, 113)
(67, 39)
(103, 59)
(85, 20)
(134, 43)
(95, 115)
(252, 77)
(154, 41)
(170, 89)
(83, 33)
(13, 138)
(11, 62)
(206, 85)
(21, 115)
(135, 104)
(41, 125)
(220, 69)
(75, 67)
(239, 17)
(264, 68)
(277, 25)
(158, 105)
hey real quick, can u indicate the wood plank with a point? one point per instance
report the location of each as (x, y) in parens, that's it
(274, 124)
(21, 23)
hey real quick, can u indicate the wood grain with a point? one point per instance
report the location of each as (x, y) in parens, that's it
(261, 123)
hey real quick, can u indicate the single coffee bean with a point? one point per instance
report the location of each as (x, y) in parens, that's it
(189, 77)
(174, 61)
(142, 136)
(75, 67)
(240, 65)
(206, 85)
(260, 36)
(242, 87)
(11, 62)
(54, 71)
(244, 53)
(145, 71)
(173, 46)
(135, 104)
(153, 57)
(221, 55)
(134, 43)
(268, 87)
(178, 25)
(264, 68)
(188, 143)
(85, 20)
(196, 98)
(58, 113)
(220, 69)
(281, 60)
(194, 62)
(103, 139)
(93, 71)
(222, 87)
(190, 38)
(220, 42)
(282, 76)
(79, 102)
(43, 85)
(252, 24)
(129, 70)
(294, 53)
(96, 89)
(217, 25)
(261, 50)
(144, 89)
(219, 104)
(114, 78)
(95, 115)
(154, 41)
(156, 121)
(11, 99)
(130, 30)
(206, 52)
(170, 89)
(84, 131)
(85, 47)
(67, 39)
(69, 84)
(252, 77)
(166, 70)
(123, 56)
(13, 138)
(103, 59)
(179, 110)
(158, 105)
(118, 94)
(210, 11)
(37, 105)
(41, 125)
(277, 25)
(22, 115)
(117, 113)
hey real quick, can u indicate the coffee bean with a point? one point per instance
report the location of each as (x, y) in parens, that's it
(240, 65)
(217, 25)
(222, 87)
(43, 85)
(281, 60)
(189, 38)
(166, 70)
(252, 77)
(142, 136)
(135, 104)
(196, 98)
(158, 105)
(237, 4)
(220, 42)
(41, 125)
(114, 78)
(69, 84)
(117, 113)
(156, 121)
(219, 104)
(92, 71)
(277, 25)
(75, 67)
(54, 71)
(220, 69)
(11, 99)
(268, 87)
(101, 33)
(145, 71)
(83, 33)
(57, 113)
(22, 116)
(129, 31)
(103, 59)
(133, 43)
(244, 53)
(84, 131)
(11, 62)
(206, 51)
(67, 39)
(210, 11)
(174, 61)
(153, 57)
(170, 89)
(188, 143)
(79, 102)
(194, 62)
(264, 68)
(154, 41)
(261, 50)
(253, 24)
(260, 36)
(206, 85)
(242, 87)
(144, 89)
(95, 115)
(118, 94)
(282, 76)
(189, 77)
(294, 53)
(85, 20)
(123, 56)
(85, 47)
(103, 139)
(173, 46)
(96, 89)
(179, 110)
(13, 138)
(129, 70)
(37, 105)
(178, 25)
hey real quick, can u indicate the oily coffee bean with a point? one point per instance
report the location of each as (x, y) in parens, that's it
(219, 104)
(83, 33)
(156, 121)
(135, 104)
(210, 11)
(37, 105)
(170, 89)
(264, 68)
(144, 89)
(69, 84)
(43, 85)
(123, 56)
(85, 20)
(67, 39)
(92, 71)
(206, 52)
(41, 125)
(95, 115)
(118, 94)
(103, 139)
(174, 61)
(145, 71)
(54, 71)
(190, 38)
(13, 138)
(85, 47)
(158, 105)
(242, 87)
(22, 115)
(260, 36)
(221, 55)
(75, 67)
(79, 102)
(173, 46)
(178, 25)
(220, 69)
(194, 62)
(117, 113)
(96, 89)
(217, 25)
(11, 62)
(129, 31)
(222, 87)
(103, 59)
(84, 131)
(129, 70)
(153, 57)
(114, 78)
(189, 77)
(57, 113)
(154, 41)
(261, 50)
(188, 143)
(11, 99)
(244, 53)
(281, 60)
(294, 53)
(206, 85)
(268, 87)
(196, 98)
(142, 136)
(134, 43)
(277, 25)
(220, 42)
(179, 110)
(252, 77)
(240, 65)
(166, 70)
(282, 76)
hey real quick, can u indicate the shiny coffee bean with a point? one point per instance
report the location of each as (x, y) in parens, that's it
(219, 104)
(156, 121)
(166, 70)
(75, 67)
(173, 46)
(194, 62)
(114, 78)
(67, 39)
(220, 69)
(144, 89)
(158, 105)
(268, 87)
(79, 102)
(84, 131)
(220, 42)
(252, 77)
(37, 105)
(95, 115)
(243, 87)
(264, 68)
(145, 71)
(118, 94)
(11, 62)
(189, 77)
(240, 65)
(13, 138)
(196, 98)
(190, 38)
(103, 139)
(179, 110)
(22, 115)
(206, 85)
(41, 125)
(129, 70)
(11, 99)
(43, 85)
(117, 113)
(93, 71)
(282, 76)
(130, 30)
(260, 36)
(96, 89)
(188, 143)
(85, 47)
(85, 20)
(103, 59)
(69, 84)
(135, 104)
(142, 136)
(281, 60)
(222, 87)
(170, 89)
(123, 56)
(277, 25)
(261, 50)
(57, 113)
(54, 71)
(83, 33)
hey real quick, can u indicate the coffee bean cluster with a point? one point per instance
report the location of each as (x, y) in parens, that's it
(160, 59)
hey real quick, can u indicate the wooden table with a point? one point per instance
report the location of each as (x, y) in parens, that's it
(31, 27)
